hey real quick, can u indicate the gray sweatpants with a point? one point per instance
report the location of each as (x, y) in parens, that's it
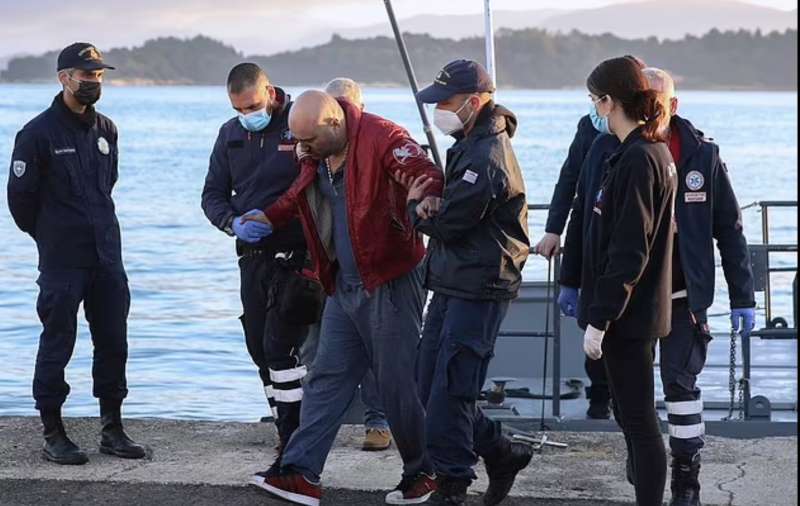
(359, 329)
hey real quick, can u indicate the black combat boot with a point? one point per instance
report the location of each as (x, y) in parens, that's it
(113, 440)
(503, 468)
(57, 446)
(599, 403)
(449, 492)
(685, 483)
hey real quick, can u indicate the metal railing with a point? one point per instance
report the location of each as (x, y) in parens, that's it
(555, 333)
(768, 333)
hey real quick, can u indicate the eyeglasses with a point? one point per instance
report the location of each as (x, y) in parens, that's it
(598, 99)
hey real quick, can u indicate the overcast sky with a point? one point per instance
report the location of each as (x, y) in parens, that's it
(34, 26)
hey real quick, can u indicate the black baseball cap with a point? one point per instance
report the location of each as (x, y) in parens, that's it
(83, 56)
(459, 76)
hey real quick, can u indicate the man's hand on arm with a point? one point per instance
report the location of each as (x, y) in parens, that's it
(252, 226)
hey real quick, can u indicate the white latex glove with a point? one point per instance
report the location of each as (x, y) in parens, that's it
(593, 342)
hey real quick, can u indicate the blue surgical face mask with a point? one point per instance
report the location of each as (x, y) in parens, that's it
(255, 121)
(600, 123)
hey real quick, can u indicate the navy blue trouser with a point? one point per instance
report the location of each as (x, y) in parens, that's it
(682, 358)
(106, 301)
(457, 344)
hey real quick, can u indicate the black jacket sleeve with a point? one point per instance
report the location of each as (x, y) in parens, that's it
(24, 181)
(218, 188)
(467, 199)
(564, 190)
(572, 259)
(628, 248)
(729, 233)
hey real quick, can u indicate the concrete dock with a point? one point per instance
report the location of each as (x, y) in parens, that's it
(209, 463)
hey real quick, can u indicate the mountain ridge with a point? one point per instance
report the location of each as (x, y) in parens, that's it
(529, 58)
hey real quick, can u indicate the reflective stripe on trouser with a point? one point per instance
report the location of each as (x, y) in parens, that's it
(682, 358)
(286, 384)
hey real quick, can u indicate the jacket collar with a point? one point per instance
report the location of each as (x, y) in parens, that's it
(633, 137)
(352, 116)
(493, 119)
(83, 121)
(691, 138)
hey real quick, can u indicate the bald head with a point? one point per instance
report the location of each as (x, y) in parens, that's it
(318, 121)
(663, 83)
(660, 81)
(347, 88)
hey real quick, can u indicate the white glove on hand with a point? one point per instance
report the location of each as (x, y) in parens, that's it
(593, 342)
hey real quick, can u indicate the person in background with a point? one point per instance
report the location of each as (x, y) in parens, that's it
(626, 275)
(478, 245)
(367, 256)
(63, 170)
(251, 166)
(377, 436)
(706, 209)
(563, 196)
(550, 245)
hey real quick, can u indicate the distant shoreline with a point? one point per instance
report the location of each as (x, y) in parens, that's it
(145, 83)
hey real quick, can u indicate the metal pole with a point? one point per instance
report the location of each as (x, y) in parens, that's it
(412, 79)
(489, 34)
(765, 240)
(556, 342)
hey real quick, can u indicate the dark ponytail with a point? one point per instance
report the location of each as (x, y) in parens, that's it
(656, 118)
(623, 80)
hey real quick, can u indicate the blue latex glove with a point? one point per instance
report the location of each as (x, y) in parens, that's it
(747, 317)
(568, 301)
(250, 231)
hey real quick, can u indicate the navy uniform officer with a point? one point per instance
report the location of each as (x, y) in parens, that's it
(63, 170)
(706, 209)
(251, 166)
(478, 246)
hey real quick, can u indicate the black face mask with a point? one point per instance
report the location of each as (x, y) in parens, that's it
(88, 92)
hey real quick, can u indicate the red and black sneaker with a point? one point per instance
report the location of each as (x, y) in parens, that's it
(293, 487)
(413, 490)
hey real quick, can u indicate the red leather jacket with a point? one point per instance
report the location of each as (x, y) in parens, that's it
(385, 245)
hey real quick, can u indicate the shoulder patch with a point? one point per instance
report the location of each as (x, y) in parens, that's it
(18, 166)
(102, 146)
(408, 151)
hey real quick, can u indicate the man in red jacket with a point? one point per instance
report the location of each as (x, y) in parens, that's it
(366, 255)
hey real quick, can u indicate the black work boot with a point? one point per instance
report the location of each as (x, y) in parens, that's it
(449, 492)
(57, 446)
(685, 483)
(503, 468)
(599, 403)
(113, 440)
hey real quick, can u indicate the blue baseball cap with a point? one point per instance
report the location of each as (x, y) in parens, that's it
(83, 56)
(459, 76)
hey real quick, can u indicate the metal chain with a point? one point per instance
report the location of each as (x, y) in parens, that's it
(732, 381)
(742, 385)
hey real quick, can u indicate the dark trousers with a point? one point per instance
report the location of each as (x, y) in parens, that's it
(106, 301)
(682, 358)
(457, 344)
(598, 390)
(629, 365)
(273, 342)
